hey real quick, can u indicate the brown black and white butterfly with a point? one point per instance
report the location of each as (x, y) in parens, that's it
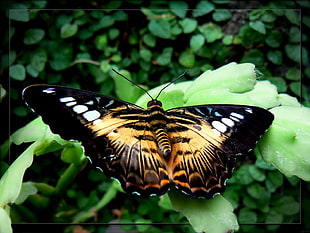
(147, 150)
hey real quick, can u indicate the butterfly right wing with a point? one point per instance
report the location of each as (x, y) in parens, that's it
(114, 134)
(205, 141)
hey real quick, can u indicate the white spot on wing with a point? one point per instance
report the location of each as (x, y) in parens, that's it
(219, 126)
(110, 103)
(66, 99)
(228, 122)
(80, 108)
(96, 121)
(91, 115)
(237, 115)
(249, 110)
(70, 104)
(90, 102)
(49, 90)
(217, 132)
(234, 118)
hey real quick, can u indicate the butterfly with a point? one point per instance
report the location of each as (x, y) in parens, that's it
(148, 150)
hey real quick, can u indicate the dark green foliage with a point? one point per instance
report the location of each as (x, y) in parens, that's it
(152, 45)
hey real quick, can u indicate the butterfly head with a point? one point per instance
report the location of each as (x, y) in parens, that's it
(154, 102)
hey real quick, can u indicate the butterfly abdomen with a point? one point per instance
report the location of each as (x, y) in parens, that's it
(158, 122)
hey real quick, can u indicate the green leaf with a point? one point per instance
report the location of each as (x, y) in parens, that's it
(292, 16)
(248, 36)
(18, 72)
(101, 42)
(149, 40)
(106, 21)
(32, 71)
(178, 8)
(287, 142)
(246, 216)
(243, 176)
(221, 15)
(21, 15)
(275, 56)
(255, 190)
(268, 16)
(274, 180)
(249, 202)
(254, 56)
(228, 39)
(203, 8)
(160, 28)
(294, 35)
(146, 54)
(213, 215)
(274, 217)
(27, 189)
(171, 97)
(109, 195)
(14, 175)
(105, 66)
(165, 57)
(38, 59)
(240, 88)
(20, 111)
(293, 74)
(306, 20)
(196, 42)
(298, 88)
(124, 89)
(68, 30)
(258, 26)
(287, 206)
(113, 33)
(74, 154)
(5, 222)
(143, 225)
(279, 82)
(187, 58)
(188, 25)
(255, 14)
(274, 39)
(257, 173)
(211, 32)
(33, 36)
(176, 30)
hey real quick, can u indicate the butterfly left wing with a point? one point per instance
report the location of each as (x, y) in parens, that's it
(205, 141)
(114, 134)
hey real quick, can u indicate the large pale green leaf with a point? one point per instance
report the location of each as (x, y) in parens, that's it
(14, 175)
(287, 142)
(238, 78)
(5, 221)
(214, 215)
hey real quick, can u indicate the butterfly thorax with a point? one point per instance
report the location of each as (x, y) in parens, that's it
(158, 122)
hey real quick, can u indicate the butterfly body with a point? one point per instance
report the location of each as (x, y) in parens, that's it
(147, 150)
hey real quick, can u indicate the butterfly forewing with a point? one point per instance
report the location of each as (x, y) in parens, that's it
(193, 147)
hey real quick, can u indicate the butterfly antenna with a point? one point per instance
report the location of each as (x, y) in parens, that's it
(173, 81)
(133, 83)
